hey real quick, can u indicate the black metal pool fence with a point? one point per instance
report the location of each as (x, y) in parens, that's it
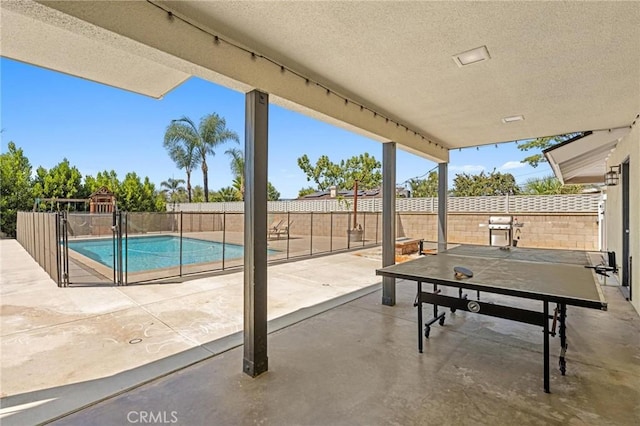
(46, 236)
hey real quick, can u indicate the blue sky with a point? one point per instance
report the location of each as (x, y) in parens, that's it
(53, 116)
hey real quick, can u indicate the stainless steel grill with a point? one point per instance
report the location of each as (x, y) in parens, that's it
(500, 230)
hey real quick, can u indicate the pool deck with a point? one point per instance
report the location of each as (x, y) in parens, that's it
(64, 348)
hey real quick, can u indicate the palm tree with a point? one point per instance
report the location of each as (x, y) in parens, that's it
(237, 168)
(211, 133)
(172, 189)
(549, 185)
(198, 194)
(181, 144)
(227, 193)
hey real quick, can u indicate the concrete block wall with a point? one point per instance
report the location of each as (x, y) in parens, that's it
(540, 230)
(578, 231)
(468, 228)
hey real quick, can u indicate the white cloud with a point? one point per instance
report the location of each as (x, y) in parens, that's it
(467, 168)
(510, 165)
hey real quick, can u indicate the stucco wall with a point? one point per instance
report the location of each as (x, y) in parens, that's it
(627, 148)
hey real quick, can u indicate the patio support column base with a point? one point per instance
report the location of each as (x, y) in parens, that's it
(254, 369)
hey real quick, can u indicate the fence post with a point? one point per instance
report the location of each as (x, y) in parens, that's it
(181, 223)
(114, 239)
(224, 235)
(58, 254)
(311, 235)
(330, 231)
(288, 231)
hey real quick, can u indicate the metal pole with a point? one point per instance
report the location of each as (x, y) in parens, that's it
(114, 239)
(330, 231)
(545, 330)
(311, 235)
(388, 220)
(442, 206)
(180, 240)
(355, 204)
(255, 361)
(126, 248)
(288, 231)
(224, 235)
(364, 228)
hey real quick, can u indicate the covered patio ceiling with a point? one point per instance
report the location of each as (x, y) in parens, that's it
(383, 69)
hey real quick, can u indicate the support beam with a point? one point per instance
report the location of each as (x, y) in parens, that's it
(442, 205)
(388, 220)
(255, 360)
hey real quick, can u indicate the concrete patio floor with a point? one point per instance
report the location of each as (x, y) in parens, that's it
(354, 362)
(64, 348)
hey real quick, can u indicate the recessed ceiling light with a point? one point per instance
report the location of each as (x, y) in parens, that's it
(513, 118)
(472, 56)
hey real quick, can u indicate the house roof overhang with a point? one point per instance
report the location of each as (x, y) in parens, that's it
(566, 67)
(582, 160)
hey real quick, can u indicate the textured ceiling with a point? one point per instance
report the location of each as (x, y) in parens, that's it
(565, 66)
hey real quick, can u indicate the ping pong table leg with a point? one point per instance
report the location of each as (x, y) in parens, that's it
(563, 338)
(546, 346)
(419, 303)
(435, 307)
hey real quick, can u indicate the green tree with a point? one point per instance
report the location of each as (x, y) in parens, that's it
(549, 185)
(542, 144)
(306, 191)
(37, 184)
(62, 181)
(238, 186)
(228, 193)
(15, 187)
(211, 133)
(181, 146)
(198, 194)
(107, 179)
(237, 169)
(272, 192)
(152, 199)
(173, 190)
(363, 168)
(424, 187)
(138, 196)
(495, 183)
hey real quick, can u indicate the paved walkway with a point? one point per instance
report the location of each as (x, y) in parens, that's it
(63, 348)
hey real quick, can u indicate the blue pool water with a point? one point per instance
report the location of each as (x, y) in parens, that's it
(145, 253)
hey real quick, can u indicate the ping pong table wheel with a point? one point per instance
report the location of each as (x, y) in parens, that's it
(427, 330)
(453, 310)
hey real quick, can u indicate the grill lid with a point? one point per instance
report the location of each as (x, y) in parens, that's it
(500, 219)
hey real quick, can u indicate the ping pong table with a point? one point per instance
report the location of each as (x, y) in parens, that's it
(547, 276)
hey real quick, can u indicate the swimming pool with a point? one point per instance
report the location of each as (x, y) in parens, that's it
(145, 253)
